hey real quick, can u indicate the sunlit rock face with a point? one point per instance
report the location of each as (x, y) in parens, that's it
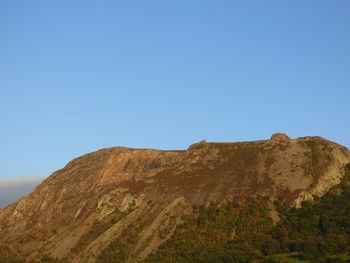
(78, 210)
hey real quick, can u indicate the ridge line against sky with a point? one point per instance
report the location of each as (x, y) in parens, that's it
(78, 76)
(11, 189)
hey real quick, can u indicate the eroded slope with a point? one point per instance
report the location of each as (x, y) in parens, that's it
(139, 196)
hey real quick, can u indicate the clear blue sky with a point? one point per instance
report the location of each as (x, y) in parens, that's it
(77, 76)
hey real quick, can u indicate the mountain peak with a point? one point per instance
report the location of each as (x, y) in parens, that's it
(280, 137)
(128, 186)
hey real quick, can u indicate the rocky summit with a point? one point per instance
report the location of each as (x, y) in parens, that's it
(140, 197)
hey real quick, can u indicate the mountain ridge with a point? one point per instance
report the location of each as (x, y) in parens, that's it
(105, 191)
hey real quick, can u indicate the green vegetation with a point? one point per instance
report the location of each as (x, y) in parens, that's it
(120, 249)
(224, 234)
(316, 232)
(241, 232)
(292, 257)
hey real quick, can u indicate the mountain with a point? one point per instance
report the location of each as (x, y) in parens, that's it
(123, 204)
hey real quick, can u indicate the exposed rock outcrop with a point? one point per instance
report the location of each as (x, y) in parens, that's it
(80, 209)
(281, 137)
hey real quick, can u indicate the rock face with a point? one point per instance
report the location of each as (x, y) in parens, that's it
(280, 137)
(77, 211)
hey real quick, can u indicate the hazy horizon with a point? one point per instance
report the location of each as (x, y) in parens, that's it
(14, 188)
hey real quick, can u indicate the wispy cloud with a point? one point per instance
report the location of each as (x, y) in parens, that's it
(12, 189)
